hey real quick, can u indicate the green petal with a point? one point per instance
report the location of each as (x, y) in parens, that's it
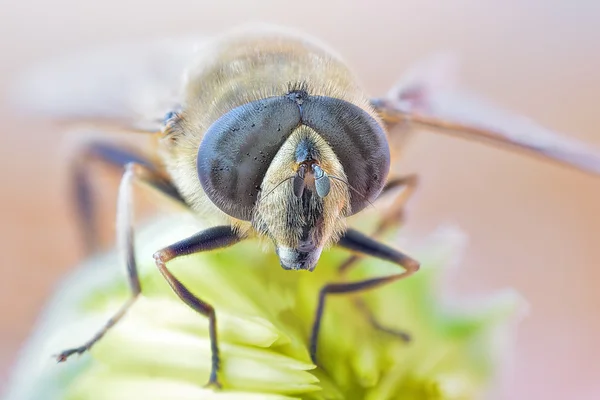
(139, 349)
(103, 385)
(174, 314)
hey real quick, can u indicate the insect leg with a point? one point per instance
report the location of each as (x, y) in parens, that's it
(124, 223)
(360, 243)
(210, 239)
(115, 156)
(394, 215)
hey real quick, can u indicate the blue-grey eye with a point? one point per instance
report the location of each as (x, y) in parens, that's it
(358, 141)
(238, 148)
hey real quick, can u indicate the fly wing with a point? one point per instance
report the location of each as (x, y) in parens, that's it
(127, 86)
(445, 109)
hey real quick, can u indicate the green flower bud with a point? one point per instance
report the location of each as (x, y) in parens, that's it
(161, 349)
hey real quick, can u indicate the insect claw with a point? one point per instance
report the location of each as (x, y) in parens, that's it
(62, 357)
(213, 383)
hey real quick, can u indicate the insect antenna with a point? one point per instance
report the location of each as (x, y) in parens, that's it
(352, 188)
(276, 186)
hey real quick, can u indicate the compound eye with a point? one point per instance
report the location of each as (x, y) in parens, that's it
(238, 148)
(358, 141)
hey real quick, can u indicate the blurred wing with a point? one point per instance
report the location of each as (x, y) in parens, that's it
(441, 108)
(129, 86)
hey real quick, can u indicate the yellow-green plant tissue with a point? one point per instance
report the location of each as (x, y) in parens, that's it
(160, 349)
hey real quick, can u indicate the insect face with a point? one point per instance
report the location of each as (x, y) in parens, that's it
(294, 166)
(297, 209)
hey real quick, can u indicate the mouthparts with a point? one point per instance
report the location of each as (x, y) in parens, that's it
(299, 259)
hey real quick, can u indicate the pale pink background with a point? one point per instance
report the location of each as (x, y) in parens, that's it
(532, 225)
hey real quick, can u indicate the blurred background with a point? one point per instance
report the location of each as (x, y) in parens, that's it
(532, 225)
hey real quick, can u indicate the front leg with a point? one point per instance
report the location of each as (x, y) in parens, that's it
(394, 215)
(134, 173)
(210, 239)
(360, 243)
